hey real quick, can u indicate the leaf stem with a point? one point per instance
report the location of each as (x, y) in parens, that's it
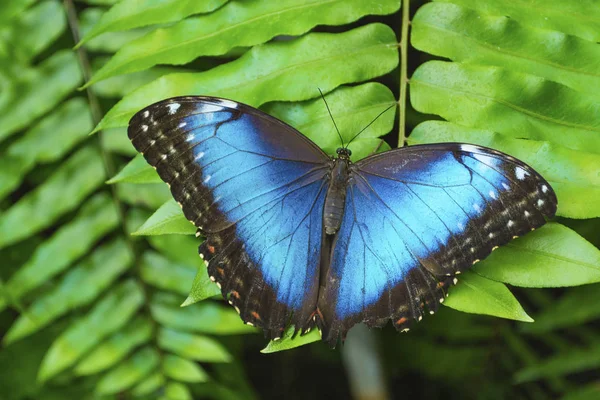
(403, 71)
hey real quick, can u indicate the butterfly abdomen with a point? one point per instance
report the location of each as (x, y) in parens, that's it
(335, 200)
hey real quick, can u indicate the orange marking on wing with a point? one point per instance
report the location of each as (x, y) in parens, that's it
(221, 271)
(211, 249)
(401, 321)
(255, 315)
(235, 294)
(440, 285)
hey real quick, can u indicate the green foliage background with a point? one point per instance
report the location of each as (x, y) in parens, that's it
(95, 259)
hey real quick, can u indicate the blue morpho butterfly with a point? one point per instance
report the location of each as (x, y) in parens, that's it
(294, 236)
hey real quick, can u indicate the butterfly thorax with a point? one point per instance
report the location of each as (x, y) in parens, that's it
(335, 200)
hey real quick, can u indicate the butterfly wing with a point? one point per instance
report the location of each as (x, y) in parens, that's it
(414, 218)
(255, 188)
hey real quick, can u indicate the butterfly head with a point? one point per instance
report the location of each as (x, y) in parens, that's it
(343, 152)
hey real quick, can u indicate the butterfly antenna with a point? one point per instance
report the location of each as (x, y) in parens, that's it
(371, 123)
(329, 111)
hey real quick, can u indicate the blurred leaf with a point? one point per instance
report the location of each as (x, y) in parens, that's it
(576, 307)
(116, 141)
(129, 14)
(464, 35)
(128, 373)
(552, 256)
(183, 370)
(116, 347)
(177, 391)
(178, 248)
(168, 219)
(72, 240)
(150, 384)
(567, 362)
(39, 90)
(84, 334)
(586, 392)
(80, 286)
(47, 141)
(352, 107)
(289, 341)
(510, 103)
(72, 182)
(136, 171)
(195, 347)
(147, 195)
(574, 175)
(580, 18)
(34, 30)
(236, 25)
(478, 295)
(164, 274)
(279, 71)
(12, 8)
(206, 317)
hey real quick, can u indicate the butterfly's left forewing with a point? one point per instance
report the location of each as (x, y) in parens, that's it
(254, 187)
(414, 218)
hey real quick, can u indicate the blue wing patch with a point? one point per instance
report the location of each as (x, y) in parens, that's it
(255, 188)
(416, 217)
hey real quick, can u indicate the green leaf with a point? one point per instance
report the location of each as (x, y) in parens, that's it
(72, 182)
(236, 25)
(12, 8)
(168, 219)
(279, 71)
(147, 195)
(136, 171)
(580, 18)
(34, 30)
(206, 317)
(289, 341)
(179, 249)
(71, 241)
(47, 141)
(576, 307)
(129, 372)
(116, 347)
(80, 286)
(39, 90)
(510, 103)
(116, 141)
(149, 385)
(83, 335)
(552, 256)
(121, 85)
(109, 42)
(478, 295)
(195, 347)
(572, 174)
(164, 274)
(202, 288)
(586, 392)
(353, 108)
(464, 35)
(571, 361)
(177, 391)
(183, 370)
(129, 14)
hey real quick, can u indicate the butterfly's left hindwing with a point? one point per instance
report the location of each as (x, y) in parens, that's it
(414, 218)
(254, 187)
